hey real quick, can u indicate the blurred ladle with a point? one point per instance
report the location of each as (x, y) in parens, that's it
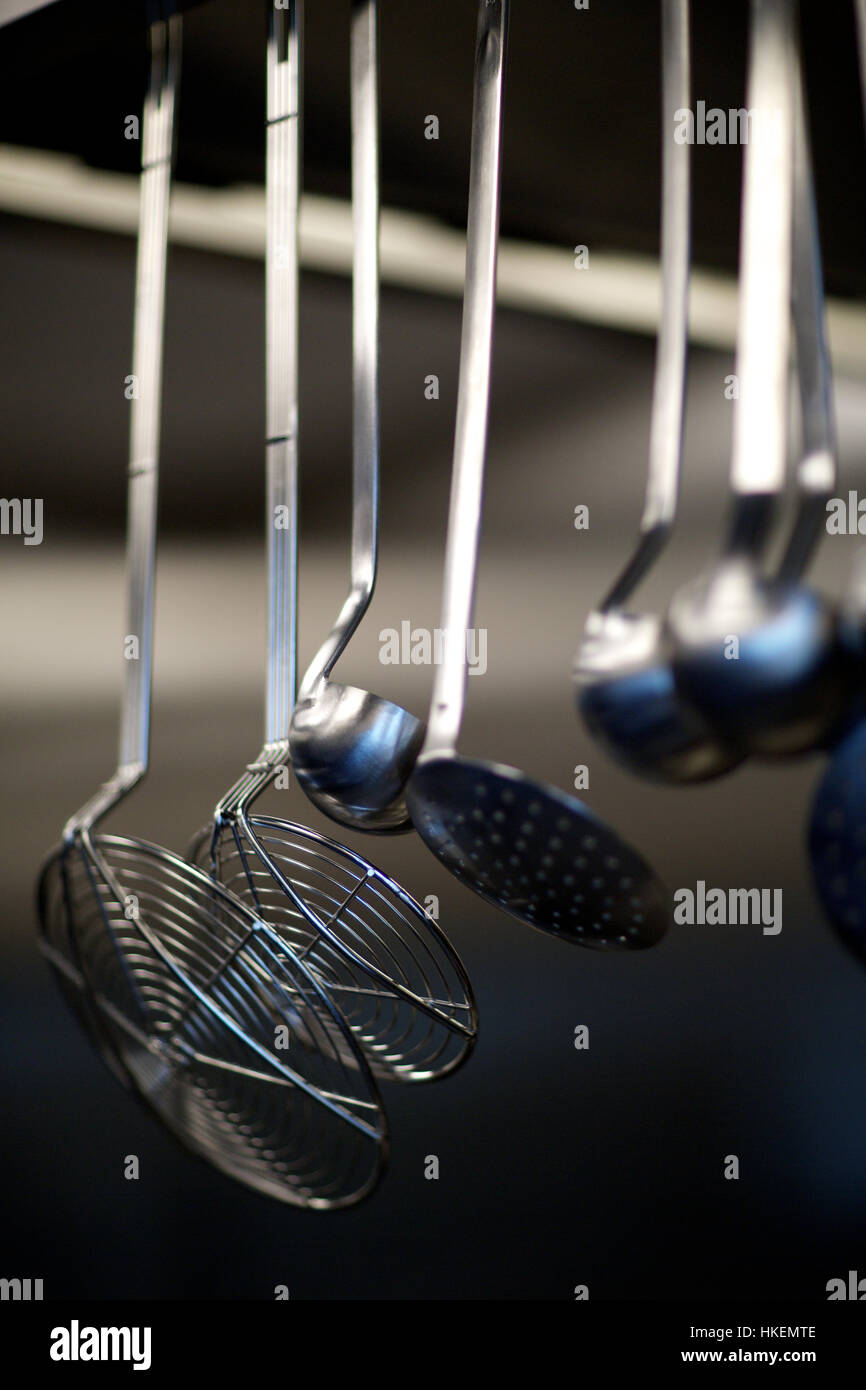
(759, 658)
(625, 685)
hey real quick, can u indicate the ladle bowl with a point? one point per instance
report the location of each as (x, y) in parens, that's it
(629, 701)
(761, 661)
(536, 853)
(837, 840)
(353, 753)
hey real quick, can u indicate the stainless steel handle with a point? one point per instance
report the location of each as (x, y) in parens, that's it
(157, 138)
(666, 428)
(281, 361)
(860, 6)
(365, 342)
(365, 296)
(156, 155)
(473, 390)
(762, 364)
(670, 373)
(818, 467)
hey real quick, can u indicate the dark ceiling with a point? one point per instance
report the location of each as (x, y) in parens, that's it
(582, 125)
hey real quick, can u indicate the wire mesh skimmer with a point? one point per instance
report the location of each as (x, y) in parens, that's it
(381, 957)
(196, 1005)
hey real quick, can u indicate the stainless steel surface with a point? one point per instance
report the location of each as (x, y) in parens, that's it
(817, 470)
(353, 751)
(625, 685)
(282, 134)
(666, 429)
(230, 1041)
(473, 393)
(836, 838)
(760, 409)
(771, 1064)
(380, 955)
(760, 659)
(185, 992)
(777, 1034)
(860, 6)
(528, 848)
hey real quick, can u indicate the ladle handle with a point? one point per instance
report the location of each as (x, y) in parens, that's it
(365, 342)
(817, 471)
(763, 336)
(281, 361)
(365, 297)
(473, 390)
(860, 7)
(666, 428)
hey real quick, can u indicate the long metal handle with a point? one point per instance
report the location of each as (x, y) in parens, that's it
(365, 297)
(763, 333)
(473, 390)
(817, 471)
(860, 6)
(666, 429)
(365, 342)
(157, 135)
(281, 361)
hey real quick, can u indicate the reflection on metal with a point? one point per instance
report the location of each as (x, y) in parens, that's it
(528, 848)
(204, 1013)
(390, 969)
(416, 252)
(626, 690)
(353, 751)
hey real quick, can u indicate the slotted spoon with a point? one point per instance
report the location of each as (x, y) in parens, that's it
(530, 849)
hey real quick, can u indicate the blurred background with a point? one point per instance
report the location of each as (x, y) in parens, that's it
(558, 1167)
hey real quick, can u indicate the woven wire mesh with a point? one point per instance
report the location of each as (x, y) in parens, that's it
(389, 968)
(227, 1038)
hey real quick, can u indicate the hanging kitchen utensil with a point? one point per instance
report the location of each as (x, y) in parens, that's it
(860, 7)
(758, 658)
(625, 685)
(195, 1004)
(837, 825)
(528, 848)
(352, 751)
(377, 953)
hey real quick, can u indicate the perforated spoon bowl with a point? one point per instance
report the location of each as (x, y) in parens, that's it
(528, 848)
(353, 751)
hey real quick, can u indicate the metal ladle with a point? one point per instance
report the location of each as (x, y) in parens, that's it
(528, 848)
(837, 823)
(625, 684)
(392, 970)
(196, 1006)
(759, 658)
(352, 751)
